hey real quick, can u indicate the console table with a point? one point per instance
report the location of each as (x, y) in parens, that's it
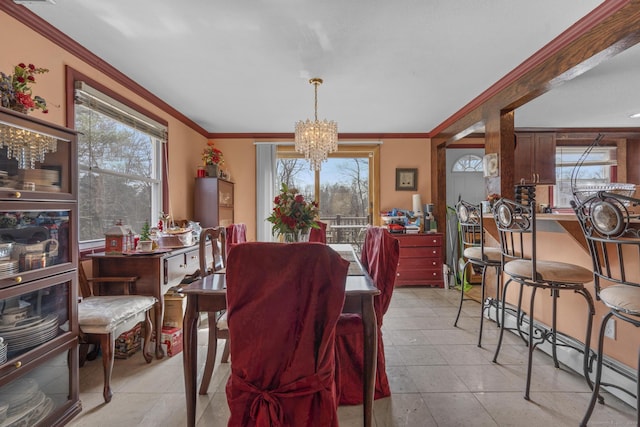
(156, 272)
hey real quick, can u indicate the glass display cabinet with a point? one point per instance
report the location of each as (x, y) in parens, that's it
(38, 273)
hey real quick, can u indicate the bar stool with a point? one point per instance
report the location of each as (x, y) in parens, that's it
(614, 244)
(476, 253)
(516, 223)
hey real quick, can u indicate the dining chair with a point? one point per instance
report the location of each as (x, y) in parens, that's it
(282, 313)
(516, 224)
(217, 238)
(235, 233)
(613, 238)
(379, 256)
(319, 234)
(102, 318)
(476, 253)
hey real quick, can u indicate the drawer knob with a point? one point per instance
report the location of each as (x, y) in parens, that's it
(18, 279)
(18, 364)
(17, 194)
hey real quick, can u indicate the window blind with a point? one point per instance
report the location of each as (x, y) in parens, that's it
(104, 104)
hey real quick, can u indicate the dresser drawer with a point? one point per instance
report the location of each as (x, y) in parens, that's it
(409, 240)
(423, 276)
(419, 263)
(175, 269)
(421, 252)
(192, 260)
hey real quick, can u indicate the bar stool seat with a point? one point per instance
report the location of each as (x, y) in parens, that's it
(475, 253)
(553, 272)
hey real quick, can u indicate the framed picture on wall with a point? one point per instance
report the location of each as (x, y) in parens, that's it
(490, 165)
(406, 179)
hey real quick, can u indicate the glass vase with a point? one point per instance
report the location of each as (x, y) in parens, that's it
(296, 236)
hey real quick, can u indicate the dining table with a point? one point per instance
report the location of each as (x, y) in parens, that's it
(208, 294)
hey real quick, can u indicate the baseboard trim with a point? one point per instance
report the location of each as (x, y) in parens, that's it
(613, 372)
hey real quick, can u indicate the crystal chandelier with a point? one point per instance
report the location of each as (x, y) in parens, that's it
(27, 147)
(316, 139)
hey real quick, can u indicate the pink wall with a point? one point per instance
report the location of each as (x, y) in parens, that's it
(404, 153)
(185, 144)
(240, 157)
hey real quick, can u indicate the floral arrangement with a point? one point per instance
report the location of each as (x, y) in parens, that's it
(292, 214)
(15, 90)
(493, 197)
(211, 155)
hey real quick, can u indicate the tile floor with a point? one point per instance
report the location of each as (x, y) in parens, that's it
(438, 377)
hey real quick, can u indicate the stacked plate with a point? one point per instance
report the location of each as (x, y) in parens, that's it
(8, 268)
(29, 333)
(26, 404)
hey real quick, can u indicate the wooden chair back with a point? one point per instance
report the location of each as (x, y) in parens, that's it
(216, 235)
(88, 286)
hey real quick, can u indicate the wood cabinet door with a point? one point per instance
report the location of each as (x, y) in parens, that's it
(523, 159)
(535, 158)
(545, 158)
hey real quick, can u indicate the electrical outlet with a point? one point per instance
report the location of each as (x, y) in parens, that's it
(610, 329)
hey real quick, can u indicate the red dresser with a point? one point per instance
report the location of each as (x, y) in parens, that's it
(420, 261)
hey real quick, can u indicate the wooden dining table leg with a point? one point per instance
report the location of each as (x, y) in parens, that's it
(369, 324)
(190, 356)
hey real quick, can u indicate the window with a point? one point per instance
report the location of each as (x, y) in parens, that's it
(598, 168)
(468, 163)
(120, 155)
(345, 188)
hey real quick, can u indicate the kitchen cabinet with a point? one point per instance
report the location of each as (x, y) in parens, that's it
(213, 202)
(420, 261)
(535, 158)
(38, 272)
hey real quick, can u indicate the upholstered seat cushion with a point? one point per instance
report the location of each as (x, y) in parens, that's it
(474, 253)
(102, 314)
(624, 298)
(549, 271)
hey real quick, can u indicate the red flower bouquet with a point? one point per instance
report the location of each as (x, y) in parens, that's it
(292, 216)
(15, 90)
(212, 155)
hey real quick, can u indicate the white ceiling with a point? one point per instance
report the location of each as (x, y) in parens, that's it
(399, 66)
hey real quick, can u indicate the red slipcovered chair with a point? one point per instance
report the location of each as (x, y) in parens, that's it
(283, 303)
(379, 257)
(319, 234)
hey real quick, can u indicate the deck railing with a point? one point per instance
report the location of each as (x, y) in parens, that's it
(346, 229)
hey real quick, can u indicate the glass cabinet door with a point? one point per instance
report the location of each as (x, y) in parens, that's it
(31, 398)
(34, 242)
(31, 316)
(35, 159)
